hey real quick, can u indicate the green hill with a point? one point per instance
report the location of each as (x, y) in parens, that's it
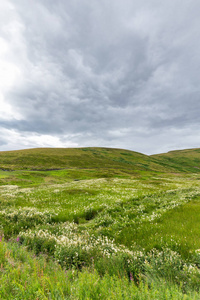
(109, 159)
(187, 160)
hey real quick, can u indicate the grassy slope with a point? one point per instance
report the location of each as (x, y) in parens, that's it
(56, 165)
(33, 167)
(82, 158)
(114, 161)
(182, 160)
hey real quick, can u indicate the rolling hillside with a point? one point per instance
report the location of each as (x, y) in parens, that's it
(187, 160)
(81, 158)
(108, 160)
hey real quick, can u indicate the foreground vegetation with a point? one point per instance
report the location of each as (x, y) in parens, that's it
(25, 276)
(98, 229)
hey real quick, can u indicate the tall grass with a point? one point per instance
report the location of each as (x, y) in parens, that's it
(113, 234)
(25, 276)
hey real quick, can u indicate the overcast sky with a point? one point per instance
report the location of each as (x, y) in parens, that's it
(123, 74)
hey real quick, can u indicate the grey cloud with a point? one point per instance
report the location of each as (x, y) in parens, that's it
(107, 72)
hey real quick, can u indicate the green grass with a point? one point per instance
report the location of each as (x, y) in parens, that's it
(98, 223)
(180, 226)
(182, 160)
(24, 276)
(107, 160)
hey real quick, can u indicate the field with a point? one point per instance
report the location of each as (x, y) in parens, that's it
(97, 223)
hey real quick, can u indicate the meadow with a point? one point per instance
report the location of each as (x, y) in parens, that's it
(97, 223)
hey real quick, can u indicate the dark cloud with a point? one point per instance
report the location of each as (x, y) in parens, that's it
(101, 73)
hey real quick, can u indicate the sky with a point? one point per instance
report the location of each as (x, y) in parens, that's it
(100, 73)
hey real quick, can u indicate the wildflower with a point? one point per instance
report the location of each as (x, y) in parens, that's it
(131, 277)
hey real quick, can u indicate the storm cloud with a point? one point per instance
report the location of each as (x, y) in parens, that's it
(121, 74)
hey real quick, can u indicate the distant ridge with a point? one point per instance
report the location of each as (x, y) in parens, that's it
(186, 160)
(116, 161)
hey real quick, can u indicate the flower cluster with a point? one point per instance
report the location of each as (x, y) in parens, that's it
(27, 215)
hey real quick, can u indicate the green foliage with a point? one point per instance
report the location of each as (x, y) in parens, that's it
(98, 223)
(24, 276)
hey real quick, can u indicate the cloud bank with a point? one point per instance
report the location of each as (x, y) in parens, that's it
(119, 74)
